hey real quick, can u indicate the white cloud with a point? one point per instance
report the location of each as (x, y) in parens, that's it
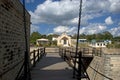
(34, 28)
(108, 20)
(73, 21)
(115, 31)
(56, 12)
(35, 19)
(90, 29)
(61, 29)
(94, 6)
(114, 6)
(65, 13)
(93, 28)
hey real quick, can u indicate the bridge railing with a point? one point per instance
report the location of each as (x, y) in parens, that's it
(97, 52)
(36, 55)
(68, 54)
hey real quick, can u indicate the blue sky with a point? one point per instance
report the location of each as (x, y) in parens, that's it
(58, 16)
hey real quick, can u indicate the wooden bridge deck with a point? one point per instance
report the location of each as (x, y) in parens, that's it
(52, 67)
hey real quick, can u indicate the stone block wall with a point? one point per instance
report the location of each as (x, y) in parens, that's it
(112, 66)
(12, 38)
(95, 68)
(105, 67)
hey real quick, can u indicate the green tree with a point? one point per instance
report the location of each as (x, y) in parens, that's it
(117, 37)
(43, 36)
(34, 36)
(74, 36)
(82, 36)
(49, 37)
(107, 35)
(98, 37)
(89, 37)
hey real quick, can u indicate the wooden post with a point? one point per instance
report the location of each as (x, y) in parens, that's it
(34, 58)
(100, 52)
(64, 54)
(60, 52)
(79, 66)
(41, 53)
(44, 51)
(38, 55)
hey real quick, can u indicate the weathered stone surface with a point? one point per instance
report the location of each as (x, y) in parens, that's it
(96, 66)
(107, 64)
(113, 68)
(12, 41)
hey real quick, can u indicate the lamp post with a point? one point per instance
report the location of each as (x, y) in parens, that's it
(26, 59)
(79, 22)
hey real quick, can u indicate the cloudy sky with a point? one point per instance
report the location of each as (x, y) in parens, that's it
(58, 16)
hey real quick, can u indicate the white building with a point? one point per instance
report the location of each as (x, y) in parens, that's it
(82, 40)
(42, 41)
(100, 44)
(54, 39)
(64, 40)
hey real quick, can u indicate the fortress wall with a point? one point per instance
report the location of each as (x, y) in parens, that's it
(96, 66)
(108, 65)
(12, 41)
(112, 66)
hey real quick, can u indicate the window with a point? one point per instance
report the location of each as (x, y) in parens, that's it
(65, 41)
(98, 44)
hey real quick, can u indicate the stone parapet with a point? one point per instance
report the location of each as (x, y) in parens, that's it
(105, 67)
(96, 68)
(112, 66)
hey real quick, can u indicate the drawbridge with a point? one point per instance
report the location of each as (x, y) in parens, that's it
(59, 64)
